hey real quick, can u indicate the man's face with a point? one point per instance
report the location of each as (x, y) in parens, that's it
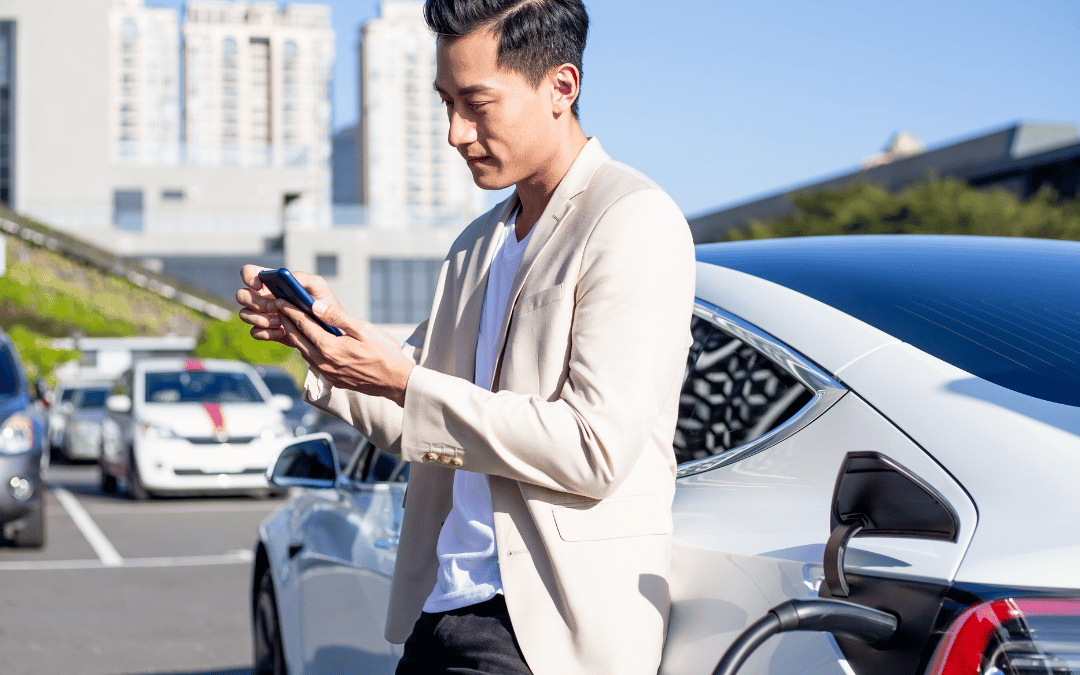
(503, 127)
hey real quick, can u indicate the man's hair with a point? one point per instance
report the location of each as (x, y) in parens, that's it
(534, 35)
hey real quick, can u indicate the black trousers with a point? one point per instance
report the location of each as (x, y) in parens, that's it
(473, 640)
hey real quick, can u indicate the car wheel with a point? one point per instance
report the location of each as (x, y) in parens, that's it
(108, 481)
(136, 490)
(269, 653)
(31, 531)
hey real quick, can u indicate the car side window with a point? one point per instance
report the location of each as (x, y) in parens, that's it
(732, 394)
(373, 465)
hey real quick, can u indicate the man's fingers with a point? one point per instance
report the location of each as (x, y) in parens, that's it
(260, 319)
(296, 336)
(250, 275)
(336, 316)
(312, 331)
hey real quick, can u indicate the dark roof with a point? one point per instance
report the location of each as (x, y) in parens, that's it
(1006, 157)
(1006, 310)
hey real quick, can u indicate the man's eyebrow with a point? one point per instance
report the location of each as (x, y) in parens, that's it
(466, 91)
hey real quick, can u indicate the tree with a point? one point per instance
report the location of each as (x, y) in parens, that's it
(933, 206)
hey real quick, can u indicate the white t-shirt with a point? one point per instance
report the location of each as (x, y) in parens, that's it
(468, 560)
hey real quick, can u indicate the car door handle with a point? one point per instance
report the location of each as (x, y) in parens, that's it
(295, 547)
(386, 543)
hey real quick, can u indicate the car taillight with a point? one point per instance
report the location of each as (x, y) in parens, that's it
(1012, 636)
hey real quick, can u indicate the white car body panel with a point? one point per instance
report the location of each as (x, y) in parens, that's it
(347, 545)
(752, 534)
(1033, 540)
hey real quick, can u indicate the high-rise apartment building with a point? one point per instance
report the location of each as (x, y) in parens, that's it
(408, 174)
(144, 82)
(257, 83)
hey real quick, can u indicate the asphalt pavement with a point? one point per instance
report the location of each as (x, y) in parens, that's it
(130, 588)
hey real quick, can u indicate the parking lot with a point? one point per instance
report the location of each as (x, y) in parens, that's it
(126, 588)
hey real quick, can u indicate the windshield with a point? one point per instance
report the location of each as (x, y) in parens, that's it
(93, 398)
(200, 386)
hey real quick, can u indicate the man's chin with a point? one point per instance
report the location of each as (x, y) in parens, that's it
(491, 182)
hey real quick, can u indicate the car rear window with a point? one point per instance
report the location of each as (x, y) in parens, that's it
(200, 386)
(1007, 311)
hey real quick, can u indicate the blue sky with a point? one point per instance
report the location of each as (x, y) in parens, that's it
(720, 102)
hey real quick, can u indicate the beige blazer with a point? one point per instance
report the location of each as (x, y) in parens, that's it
(576, 431)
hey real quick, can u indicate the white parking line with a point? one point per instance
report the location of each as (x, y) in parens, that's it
(97, 539)
(178, 508)
(231, 558)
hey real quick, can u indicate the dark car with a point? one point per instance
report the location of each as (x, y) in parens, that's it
(301, 416)
(22, 454)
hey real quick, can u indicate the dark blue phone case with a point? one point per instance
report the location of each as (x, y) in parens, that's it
(284, 286)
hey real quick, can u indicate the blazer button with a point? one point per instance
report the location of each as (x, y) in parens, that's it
(444, 459)
(431, 457)
(456, 461)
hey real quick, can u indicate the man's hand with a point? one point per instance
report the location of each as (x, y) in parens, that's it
(366, 359)
(258, 307)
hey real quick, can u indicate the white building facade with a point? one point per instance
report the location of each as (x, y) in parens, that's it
(409, 174)
(100, 123)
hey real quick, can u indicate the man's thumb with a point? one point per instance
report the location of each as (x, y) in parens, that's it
(331, 314)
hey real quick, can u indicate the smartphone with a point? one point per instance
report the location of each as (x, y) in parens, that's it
(284, 286)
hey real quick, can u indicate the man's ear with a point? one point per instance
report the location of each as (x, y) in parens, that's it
(566, 85)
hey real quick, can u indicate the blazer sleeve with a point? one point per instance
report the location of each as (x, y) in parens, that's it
(377, 418)
(633, 301)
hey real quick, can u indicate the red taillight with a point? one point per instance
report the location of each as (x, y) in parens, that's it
(1014, 636)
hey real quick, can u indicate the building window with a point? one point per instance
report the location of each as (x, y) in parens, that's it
(326, 265)
(172, 195)
(128, 31)
(401, 289)
(128, 210)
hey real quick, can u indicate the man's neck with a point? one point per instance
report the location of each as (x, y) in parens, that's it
(535, 192)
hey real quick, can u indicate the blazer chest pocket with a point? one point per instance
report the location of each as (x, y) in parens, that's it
(540, 298)
(612, 519)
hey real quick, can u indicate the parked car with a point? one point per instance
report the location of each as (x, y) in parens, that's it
(23, 454)
(871, 429)
(178, 426)
(82, 432)
(60, 408)
(301, 416)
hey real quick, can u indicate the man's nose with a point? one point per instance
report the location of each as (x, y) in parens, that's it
(462, 131)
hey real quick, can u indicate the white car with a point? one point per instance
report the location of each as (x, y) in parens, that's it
(177, 425)
(878, 448)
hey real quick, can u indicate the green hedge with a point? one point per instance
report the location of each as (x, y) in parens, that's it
(934, 206)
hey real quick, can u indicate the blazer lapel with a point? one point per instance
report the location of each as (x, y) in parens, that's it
(558, 209)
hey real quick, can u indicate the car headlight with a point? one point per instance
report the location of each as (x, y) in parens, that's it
(17, 435)
(156, 431)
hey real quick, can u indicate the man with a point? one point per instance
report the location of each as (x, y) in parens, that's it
(538, 402)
